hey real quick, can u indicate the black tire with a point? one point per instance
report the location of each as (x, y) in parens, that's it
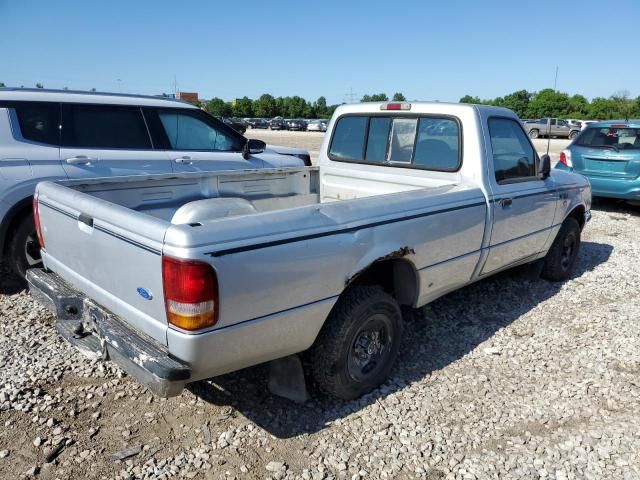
(561, 257)
(24, 249)
(573, 135)
(358, 344)
(534, 133)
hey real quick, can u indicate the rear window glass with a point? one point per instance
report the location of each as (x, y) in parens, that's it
(348, 138)
(97, 126)
(39, 122)
(377, 139)
(431, 143)
(617, 138)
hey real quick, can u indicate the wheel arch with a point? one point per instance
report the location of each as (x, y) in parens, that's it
(397, 275)
(578, 213)
(10, 221)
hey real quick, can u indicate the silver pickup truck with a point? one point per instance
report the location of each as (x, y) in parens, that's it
(184, 277)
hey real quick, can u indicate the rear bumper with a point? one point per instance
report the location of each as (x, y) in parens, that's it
(98, 333)
(615, 188)
(611, 187)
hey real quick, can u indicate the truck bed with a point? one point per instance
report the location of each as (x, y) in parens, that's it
(106, 237)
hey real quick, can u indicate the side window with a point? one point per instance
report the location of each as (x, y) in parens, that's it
(438, 144)
(104, 126)
(187, 132)
(348, 138)
(513, 156)
(39, 122)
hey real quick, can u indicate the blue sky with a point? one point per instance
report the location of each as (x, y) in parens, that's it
(429, 50)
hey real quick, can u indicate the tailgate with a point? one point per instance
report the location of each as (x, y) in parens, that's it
(110, 253)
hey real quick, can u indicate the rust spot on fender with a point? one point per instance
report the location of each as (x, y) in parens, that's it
(399, 253)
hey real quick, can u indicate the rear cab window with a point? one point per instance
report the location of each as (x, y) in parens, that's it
(424, 142)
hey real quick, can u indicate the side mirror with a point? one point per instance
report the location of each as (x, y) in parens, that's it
(544, 169)
(253, 146)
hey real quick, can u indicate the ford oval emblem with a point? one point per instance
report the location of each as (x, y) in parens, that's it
(144, 293)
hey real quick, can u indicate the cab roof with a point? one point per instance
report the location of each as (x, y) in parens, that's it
(418, 107)
(78, 96)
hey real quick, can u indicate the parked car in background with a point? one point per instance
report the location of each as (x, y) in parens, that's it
(296, 124)
(257, 123)
(48, 134)
(317, 126)
(586, 123)
(235, 123)
(200, 281)
(277, 123)
(608, 154)
(554, 127)
(574, 122)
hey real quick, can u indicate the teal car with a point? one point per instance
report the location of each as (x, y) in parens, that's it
(608, 154)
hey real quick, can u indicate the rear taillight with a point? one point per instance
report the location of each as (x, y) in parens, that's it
(36, 219)
(190, 293)
(565, 158)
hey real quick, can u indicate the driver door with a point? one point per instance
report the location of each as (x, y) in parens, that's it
(522, 204)
(195, 142)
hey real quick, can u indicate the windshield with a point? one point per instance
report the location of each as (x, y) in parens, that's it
(616, 138)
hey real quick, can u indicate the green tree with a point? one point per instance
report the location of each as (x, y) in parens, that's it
(517, 101)
(601, 108)
(294, 106)
(243, 107)
(376, 97)
(321, 107)
(39, 85)
(265, 106)
(623, 106)
(2, 84)
(398, 97)
(578, 106)
(636, 108)
(548, 103)
(470, 99)
(217, 107)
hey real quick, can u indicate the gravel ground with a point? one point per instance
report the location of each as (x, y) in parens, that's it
(512, 377)
(312, 141)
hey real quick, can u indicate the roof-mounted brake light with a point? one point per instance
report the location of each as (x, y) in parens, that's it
(395, 106)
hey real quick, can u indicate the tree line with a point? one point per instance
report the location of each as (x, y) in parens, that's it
(551, 103)
(545, 103)
(268, 106)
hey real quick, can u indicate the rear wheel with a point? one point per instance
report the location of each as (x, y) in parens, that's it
(534, 133)
(358, 343)
(573, 135)
(561, 258)
(24, 249)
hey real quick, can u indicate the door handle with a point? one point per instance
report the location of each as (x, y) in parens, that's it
(186, 159)
(506, 202)
(80, 160)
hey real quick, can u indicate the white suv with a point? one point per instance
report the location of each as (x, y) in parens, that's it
(47, 134)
